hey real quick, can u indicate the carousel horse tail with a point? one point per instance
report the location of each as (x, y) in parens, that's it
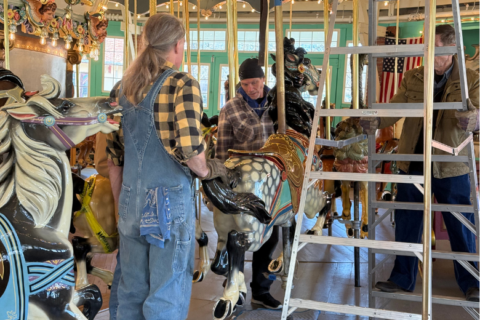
(231, 202)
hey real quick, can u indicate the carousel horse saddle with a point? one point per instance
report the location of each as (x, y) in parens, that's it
(280, 149)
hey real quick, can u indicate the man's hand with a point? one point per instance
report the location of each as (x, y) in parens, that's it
(216, 169)
(468, 120)
(369, 124)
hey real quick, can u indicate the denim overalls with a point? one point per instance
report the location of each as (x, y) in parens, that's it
(156, 282)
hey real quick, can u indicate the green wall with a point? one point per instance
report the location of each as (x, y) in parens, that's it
(215, 59)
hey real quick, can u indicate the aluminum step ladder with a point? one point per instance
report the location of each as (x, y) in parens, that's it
(422, 251)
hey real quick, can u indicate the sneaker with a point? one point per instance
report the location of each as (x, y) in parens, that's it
(388, 286)
(472, 294)
(267, 301)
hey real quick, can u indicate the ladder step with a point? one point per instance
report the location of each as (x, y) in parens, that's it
(416, 157)
(373, 244)
(416, 113)
(374, 177)
(410, 296)
(340, 143)
(348, 309)
(419, 106)
(419, 206)
(436, 254)
(412, 50)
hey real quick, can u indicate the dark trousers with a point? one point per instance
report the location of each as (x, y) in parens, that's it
(409, 227)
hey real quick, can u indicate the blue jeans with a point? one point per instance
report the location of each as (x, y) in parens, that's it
(113, 303)
(409, 228)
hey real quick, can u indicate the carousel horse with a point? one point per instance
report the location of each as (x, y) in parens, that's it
(37, 279)
(353, 158)
(85, 149)
(265, 189)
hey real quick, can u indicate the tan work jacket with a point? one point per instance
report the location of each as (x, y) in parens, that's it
(447, 131)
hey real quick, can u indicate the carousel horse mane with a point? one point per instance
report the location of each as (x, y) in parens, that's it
(38, 187)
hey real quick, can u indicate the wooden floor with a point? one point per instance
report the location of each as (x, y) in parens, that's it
(325, 273)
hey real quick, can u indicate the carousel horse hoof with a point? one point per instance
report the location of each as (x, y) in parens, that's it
(310, 232)
(222, 309)
(197, 276)
(90, 298)
(276, 266)
(350, 232)
(387, 196)
(241, 299)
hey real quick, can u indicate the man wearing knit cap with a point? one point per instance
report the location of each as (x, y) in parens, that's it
(245, 125)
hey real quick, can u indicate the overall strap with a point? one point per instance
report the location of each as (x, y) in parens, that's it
(157, 85)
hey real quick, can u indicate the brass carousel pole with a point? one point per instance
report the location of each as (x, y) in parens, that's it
(198, 39)
(172, 11)
(235, 41)
(186, 19)
(291, 13)
(282, 126)
(6, 39)
(231, 49)
(396, 43)
(77, 80)
(127, 22)
(328, 124)
(355, 93)
(265, 63)
(135, 24)
(178, 9)
(153, 7)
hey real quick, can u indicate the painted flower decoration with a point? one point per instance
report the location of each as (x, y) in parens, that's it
(10, 14)
(54, 24)
(80, 29)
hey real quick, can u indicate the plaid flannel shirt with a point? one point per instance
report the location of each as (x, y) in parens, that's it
(239, 127)
(178, 112)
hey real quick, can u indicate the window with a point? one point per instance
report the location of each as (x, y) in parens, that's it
(210, 40)
(312, 41)
(204, 78)
(249, 41)
(113, 62)
(84, 82)
(347, 82)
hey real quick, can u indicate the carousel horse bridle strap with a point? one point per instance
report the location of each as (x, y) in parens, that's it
(97, 229)
(52, 123)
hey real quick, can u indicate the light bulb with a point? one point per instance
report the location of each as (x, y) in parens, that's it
(181, 3)
(116, 4)
(42, 41)
(96, 58)
(244, 5)
(54, 42)
(67, 16)
(12, 36)
(443, 21)
(220, 6)
(293, 1)
(84, 56)
(421, 31)
(67, 45)
(138, 16)
(104, 8)
(194, 7)
(385, 3)
(206, 18)
(253, 10)
(80, 48)
(472, 19)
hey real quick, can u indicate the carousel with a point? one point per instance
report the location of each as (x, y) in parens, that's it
(58, 225)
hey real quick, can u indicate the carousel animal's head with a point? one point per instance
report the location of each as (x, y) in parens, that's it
(293, 62)
(312, 76)
(34, 135)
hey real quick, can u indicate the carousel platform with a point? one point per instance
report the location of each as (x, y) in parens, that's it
(327, 275)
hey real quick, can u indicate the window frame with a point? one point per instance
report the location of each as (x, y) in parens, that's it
(205, 105)
(345, 77)
(89, 79)
(288, 31)
(220, 85)
(103, 61)
(208, 29)
(270, 39)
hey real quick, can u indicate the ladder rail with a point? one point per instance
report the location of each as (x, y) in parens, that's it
(460, 55)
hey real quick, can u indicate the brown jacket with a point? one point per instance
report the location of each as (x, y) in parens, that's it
(447, 131)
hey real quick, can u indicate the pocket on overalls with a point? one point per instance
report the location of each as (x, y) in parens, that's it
(123, 202)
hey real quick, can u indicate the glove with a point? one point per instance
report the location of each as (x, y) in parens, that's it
(468, 120)
(216, 169)
(369, 124)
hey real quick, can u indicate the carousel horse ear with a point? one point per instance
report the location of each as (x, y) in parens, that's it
(31, 107)
(51, 87)
(291, 57)
(23, 113)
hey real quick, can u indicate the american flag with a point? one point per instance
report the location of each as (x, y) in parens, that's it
(404, 64)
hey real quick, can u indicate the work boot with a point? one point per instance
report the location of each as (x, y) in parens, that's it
(266, 300)
(388, 286)
(472, 294)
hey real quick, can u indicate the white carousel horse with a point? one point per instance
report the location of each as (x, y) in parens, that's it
(36, 197)
(267, 185)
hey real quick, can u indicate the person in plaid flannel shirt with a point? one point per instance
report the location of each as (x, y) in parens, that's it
(244, 124)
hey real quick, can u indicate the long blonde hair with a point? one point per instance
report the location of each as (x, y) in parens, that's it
(160, 35)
